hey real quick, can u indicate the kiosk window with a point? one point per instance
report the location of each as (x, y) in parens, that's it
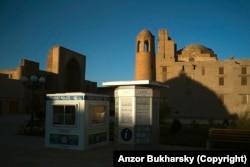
(98, 113)
(64, 114)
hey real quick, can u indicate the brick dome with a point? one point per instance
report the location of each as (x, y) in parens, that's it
(196, 52)
(197, 48)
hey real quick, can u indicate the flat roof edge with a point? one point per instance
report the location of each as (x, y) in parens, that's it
(75, 94)
(133, 82)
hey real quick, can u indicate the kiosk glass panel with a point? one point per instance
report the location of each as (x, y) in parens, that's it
(70, 115)
(64, 114)
(98, 114)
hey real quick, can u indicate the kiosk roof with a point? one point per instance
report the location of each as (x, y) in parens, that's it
(134, 82)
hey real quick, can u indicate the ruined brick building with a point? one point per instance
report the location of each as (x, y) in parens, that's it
(65, 72)
(201, 87)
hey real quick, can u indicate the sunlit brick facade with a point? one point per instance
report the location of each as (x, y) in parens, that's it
(200, 85)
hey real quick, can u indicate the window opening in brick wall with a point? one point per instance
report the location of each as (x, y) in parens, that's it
(243, 70)
(221, 70)
(221, 81)
(203, 71)
(243, 80)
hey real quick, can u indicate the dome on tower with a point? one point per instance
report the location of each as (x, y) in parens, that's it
(145, 32)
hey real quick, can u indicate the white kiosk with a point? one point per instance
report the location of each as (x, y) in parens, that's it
(76, 120)
(136, 111)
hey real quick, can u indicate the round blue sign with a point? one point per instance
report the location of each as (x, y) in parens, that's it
(126, 134)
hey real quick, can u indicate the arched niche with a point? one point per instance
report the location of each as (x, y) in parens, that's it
(146, 46)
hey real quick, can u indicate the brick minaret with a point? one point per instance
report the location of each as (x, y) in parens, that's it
(145, 56)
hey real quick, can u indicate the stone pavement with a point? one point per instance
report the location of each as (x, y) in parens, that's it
(29, 151)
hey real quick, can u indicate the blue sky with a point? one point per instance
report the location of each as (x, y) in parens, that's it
(105, 30)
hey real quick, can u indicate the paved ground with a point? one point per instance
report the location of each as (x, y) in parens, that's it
(28, 151)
